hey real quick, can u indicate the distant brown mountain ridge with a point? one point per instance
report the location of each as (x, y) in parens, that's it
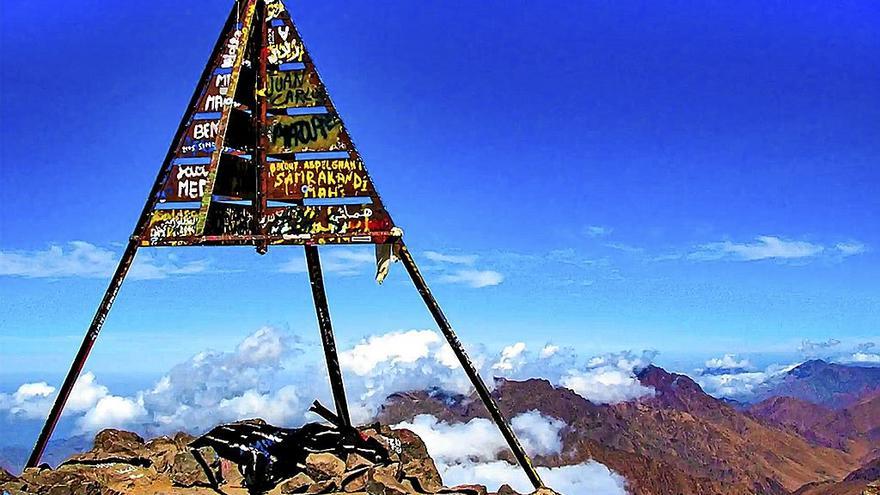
(682, 440)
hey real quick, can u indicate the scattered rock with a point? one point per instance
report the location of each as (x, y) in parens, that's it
(114, 446)
(298, 484)
(324, 466)
(465, 490)
(187, 472)
(162, 450)
(507, 490)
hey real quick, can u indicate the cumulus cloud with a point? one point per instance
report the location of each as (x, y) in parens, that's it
(548, 351)
(610, 378)
(33, 400)
(401, 361)
(475, 279)
(727, 363)
(254, 380)
(111, 412)
(214, 387)
(468, 453)
(865, 354)
(30, 400)
(589, 477)
(738, 382)
(85, 260)
(512, 357)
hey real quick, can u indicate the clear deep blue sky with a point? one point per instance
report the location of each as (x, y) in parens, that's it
(613, 162)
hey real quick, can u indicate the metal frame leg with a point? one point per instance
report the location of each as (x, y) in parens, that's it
(524, 461)
(84, 349)
(313, 260)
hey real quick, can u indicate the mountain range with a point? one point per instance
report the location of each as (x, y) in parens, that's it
(815, 431)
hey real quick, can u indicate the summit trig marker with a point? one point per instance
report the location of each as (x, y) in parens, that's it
(262, 158)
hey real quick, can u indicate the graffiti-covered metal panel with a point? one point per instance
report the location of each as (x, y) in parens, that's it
(262, 103)
(294, 89)
(342, 223)
(299, 179)
(296, 133)
(231, 220)
(283, 44)
(185, 183)
(171, 226)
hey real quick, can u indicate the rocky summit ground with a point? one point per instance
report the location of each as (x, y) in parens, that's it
(124, 463)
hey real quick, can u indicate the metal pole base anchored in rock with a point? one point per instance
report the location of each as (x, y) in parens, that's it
(521, 457)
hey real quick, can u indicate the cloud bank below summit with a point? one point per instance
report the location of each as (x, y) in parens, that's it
(253, 381)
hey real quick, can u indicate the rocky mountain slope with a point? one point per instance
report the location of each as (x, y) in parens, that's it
(862, 481)
(679, 441)
(835, 386)
(854, 429)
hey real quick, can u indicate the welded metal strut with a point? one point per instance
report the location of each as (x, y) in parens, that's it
(84, 349)
(497, 416)
(316, 278)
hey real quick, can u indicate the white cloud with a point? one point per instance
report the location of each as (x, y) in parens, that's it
(480, 440)
(467, 453)
(391, 348)
(345, 261)
(726, 363)
(768, 247)
(33, 400)
(540, 434)
(862, 358)
(812, 349)
(111, 412)
(29, 391)
(85, 260)
(473, 278)
(214, 387)
(865, 354)
(86, 393)
(738, 383)
(548, 351)
(850, 248)
(511, 357)
(610, 378)
(400, 361)
(455, 259)
(30, 400)
(589, 477)
(764, 247)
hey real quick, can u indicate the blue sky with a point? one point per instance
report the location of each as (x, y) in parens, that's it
(697, 178)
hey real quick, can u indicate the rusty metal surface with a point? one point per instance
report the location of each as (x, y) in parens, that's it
(297, 225)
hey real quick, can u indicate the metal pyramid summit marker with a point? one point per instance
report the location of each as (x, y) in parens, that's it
(261, 158)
